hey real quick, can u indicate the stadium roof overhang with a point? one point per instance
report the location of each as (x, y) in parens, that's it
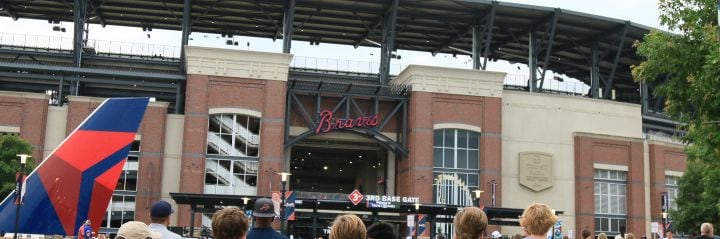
(566, 38)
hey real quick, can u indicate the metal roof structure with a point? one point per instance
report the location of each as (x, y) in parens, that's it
(593, 49)
(437, 26)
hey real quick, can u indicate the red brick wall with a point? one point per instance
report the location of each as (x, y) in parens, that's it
(150, 169)
(426, 109)
(30, 114)
(206, 92)
(663, 157)
(591, 149)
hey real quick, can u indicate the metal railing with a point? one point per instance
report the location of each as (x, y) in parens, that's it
(41, 42)
(513, 81)
(339, 65)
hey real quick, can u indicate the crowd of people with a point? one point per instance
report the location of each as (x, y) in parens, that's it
(232, 223)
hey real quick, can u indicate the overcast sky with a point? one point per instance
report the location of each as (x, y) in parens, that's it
(638, 11)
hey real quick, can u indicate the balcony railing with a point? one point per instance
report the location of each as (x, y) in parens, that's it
(40, 42)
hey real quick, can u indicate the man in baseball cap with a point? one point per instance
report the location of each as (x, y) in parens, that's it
(263, 215)
(160, 217)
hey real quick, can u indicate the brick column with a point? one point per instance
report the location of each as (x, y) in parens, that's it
(25, 113)
(450, 98)
(232, 81)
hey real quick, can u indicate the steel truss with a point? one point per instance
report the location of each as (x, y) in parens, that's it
(348, 106)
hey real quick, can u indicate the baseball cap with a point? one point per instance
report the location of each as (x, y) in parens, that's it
(263, 208)
(161, 209)
(134, 230)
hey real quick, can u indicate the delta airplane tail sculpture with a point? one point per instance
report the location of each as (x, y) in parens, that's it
(77, 180)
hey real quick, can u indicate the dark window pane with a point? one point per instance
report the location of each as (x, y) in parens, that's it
(473, 159)
(135, 146)
(251, 180)
(254, 125)
(472, 180)
(214, 124)
(462, 139)
(449, 158)
(252, 152)
(438, 157)
(438, 138)
(449, 138)
(242, 121)
(597, 224)
(224, 164)
(210, 178)
(462, 160)
(474, 142)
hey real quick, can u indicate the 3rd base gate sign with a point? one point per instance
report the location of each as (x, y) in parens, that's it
(356, 197)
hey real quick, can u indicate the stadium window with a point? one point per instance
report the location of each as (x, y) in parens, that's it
(610, 201)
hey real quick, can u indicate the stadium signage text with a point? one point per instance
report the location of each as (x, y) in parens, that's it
(396, 199)
(328, 122)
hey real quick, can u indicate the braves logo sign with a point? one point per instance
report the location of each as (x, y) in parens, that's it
(328, 122)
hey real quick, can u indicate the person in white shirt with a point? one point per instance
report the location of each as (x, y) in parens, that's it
(160, 217)
(622, 233)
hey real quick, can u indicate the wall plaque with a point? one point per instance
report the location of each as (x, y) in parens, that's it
(536, 170)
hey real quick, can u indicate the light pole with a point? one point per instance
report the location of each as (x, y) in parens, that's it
(283, 179)
(417, 224)
(478, 192)
(18, 191)
(245, 203)
(553, 231)
(664, 221)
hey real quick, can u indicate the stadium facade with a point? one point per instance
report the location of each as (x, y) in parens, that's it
(228, 121)
(445, 127)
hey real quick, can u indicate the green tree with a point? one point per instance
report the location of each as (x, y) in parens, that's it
(685, 65)
(10, 147)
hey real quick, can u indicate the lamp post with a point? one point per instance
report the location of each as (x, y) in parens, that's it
(664, 221)
(18, 191)
(417, 224)
(478, 192)
(283, 179)
(553, 231)
(245, 203)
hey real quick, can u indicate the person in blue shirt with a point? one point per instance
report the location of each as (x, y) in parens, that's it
(263, 216)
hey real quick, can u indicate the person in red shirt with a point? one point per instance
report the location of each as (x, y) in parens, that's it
(85, 231)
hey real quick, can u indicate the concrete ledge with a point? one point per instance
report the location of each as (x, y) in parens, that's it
(237, 63)
(451, 81)
(24, 95)
(611, 167)
(99, 100)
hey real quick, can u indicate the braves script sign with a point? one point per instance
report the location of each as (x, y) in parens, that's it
(328, 122)
(355, 197)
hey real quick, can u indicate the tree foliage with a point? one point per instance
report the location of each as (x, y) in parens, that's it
(10, 147)
(685, 66)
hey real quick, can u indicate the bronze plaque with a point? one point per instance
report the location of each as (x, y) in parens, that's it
(536, 170)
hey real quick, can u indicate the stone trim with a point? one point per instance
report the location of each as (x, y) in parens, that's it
(24, 95)
(237, 63)
(99, 100)
(608, 137)
(451, 80)
(9, 129)
(611, 167)
(457, 126)
(241, 111)
(674, 173)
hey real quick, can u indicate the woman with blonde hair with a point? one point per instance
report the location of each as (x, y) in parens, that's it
(630, 236)
(536, 220)
(602, 236)
(348, 226)
(470, 223)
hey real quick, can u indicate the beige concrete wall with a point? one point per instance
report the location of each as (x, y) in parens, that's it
(546, 123)
(171, 160)
(237, 63)
(448, 80)
(55, 129)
